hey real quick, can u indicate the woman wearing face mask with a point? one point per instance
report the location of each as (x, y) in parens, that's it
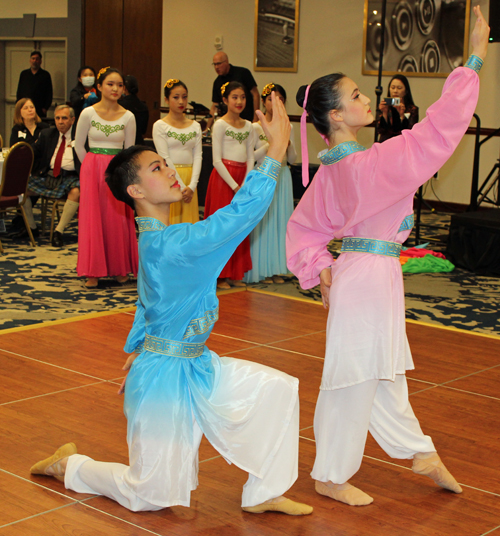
(365, 197)
(84, 94)
(392, 119)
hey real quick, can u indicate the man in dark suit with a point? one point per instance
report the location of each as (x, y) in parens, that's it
(57, 167)
(35, 83)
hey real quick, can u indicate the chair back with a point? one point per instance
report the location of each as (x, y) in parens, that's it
(17, 170)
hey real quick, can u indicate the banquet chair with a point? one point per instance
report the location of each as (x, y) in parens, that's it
(14, 183)
(54, 203)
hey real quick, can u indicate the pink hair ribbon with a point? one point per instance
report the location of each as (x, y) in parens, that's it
(303, 142)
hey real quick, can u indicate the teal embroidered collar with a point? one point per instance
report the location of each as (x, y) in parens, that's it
(150, 224)
(335, 154)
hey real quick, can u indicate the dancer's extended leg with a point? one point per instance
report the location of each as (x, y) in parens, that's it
(341, 425)
(266, 494)
(396, 429)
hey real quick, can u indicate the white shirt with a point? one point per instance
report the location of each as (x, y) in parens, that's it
(67, 163)
(103, 134)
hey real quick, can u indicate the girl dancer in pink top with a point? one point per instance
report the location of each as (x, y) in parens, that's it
(365, 197)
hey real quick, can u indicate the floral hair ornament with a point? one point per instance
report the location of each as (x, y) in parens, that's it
(303, 142)
(170, 82)
(102, 71)
(223, 88)
(267, 89)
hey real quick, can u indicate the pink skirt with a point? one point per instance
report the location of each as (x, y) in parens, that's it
(219, 194)
(107, 243)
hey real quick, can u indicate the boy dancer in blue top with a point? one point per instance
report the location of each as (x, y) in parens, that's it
(177, 390)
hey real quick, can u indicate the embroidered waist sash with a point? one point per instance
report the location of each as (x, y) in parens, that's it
(370, 245)
(98, 150)
(187, 350)
(183, 165)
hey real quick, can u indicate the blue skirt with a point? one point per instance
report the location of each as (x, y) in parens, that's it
(268, 239)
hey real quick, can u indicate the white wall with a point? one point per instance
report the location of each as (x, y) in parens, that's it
(12, 9)
(330, 40)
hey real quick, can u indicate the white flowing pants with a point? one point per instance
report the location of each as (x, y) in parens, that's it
(85, 475)
(343, 418)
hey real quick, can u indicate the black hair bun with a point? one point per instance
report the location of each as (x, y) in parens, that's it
(301, 95)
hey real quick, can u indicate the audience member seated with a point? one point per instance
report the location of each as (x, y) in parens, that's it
(393, 119)
(130, 101)
(27, 123)
(84, 93)
(58, 168)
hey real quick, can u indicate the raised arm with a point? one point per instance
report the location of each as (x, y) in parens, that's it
(405, 162)
(211, 242)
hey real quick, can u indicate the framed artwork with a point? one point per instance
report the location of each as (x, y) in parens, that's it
(276, 35)
(422, 37)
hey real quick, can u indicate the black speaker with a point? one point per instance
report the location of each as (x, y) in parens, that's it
(494, 21)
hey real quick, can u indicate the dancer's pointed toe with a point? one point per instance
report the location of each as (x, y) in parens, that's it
(50, 465)
(286, 506)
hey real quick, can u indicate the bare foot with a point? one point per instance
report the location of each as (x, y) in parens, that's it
(92, 282)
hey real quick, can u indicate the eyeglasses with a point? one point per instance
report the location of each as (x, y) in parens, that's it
(218, 63)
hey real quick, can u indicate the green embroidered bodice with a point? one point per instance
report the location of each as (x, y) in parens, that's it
(240, 137)
(107, 129)
(183, 138)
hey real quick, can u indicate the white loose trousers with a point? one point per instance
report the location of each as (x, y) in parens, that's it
(85, 475)
(344, 416)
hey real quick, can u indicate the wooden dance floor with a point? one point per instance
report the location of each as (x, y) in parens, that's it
(59, 383)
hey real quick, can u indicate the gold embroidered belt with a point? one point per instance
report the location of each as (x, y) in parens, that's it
(183, 165)
(370, 245)
(187, 350)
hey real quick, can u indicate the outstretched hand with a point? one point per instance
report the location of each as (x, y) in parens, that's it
(480, 35)
(277, 130)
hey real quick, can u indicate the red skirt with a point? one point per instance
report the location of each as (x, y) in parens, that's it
(219, 194)
(107, 243)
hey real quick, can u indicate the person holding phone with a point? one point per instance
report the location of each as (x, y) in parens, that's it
(397, 112)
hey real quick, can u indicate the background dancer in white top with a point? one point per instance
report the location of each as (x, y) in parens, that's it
(178, 140)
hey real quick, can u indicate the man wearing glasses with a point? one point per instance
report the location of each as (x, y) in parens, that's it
(229, 73)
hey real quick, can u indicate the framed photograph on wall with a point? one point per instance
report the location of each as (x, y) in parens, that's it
(422, 37)
(276, 35)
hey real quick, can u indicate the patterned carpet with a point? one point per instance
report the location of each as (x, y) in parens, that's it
(40, 284)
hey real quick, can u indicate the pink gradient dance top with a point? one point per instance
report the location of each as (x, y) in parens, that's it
(368, 193)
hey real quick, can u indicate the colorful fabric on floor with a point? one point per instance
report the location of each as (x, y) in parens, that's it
(427, 264)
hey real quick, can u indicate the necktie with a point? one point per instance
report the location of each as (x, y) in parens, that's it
(59, 155)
